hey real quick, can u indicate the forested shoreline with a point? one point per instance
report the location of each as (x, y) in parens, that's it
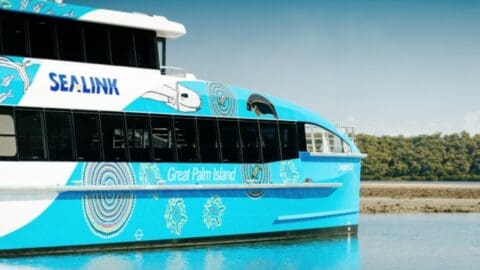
(454, 157)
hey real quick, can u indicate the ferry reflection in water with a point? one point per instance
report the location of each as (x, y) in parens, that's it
(337, 253)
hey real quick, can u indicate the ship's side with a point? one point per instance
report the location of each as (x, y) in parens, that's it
(107, 156)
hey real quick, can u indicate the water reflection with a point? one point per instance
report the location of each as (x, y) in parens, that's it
(338, 253)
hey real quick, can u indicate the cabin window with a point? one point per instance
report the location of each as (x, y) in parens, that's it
(270, 143)
(123, 48)
(59, 136)
(43, 42)
(8, 141)
(114, 139)
(230, 138)
(87, 134)
(208, 140)
(288, 140)
(161, 48)
(70, 41)
(185, 139)
(138, 132)
(31, 144)
(145, 42)
(163, 139)
(320, 140)
(97, 44)
(14, 34)
(250, 142)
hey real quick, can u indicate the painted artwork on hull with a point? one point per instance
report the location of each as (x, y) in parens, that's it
(222, 100)
(261, 105)
(176, 96)
(53, 8)
(16, 76)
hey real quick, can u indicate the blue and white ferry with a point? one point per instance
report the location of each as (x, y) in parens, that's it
(102, 146)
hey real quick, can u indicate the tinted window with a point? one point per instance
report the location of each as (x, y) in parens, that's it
(43, 42)
(185, 139)
(114, 139)
(145, 47)
(13, 34)
(208, 140)
(302, 142)
(59, 136)
(250, 142)
(123, 52)
(288, 140)
(138, 132)
(270, 144)
(29, 125)
(8, 142)
(230, 138)
(70, 41)
(163, 139)
(97, 44)
(87, 135)
(161, 47)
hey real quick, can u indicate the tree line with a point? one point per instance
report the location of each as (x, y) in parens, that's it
(424, 157)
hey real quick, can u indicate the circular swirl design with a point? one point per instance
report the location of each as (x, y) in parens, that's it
(222, 100)
(255, 174)
(107, 213)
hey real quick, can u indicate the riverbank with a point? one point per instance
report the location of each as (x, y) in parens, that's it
(411, 197)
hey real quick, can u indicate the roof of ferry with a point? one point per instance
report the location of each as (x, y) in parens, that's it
(161, 25)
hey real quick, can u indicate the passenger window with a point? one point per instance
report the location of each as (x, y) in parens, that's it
(13, 34)
(138, 132)
(31, 144)
(145, 48)
(208, 140)
(319, 140)
(185, 139)
(163, 139)
(97, 44)
(270, 144)
(113, 134)
(288, 140)
(230, 139)
(250, 142)
(123, 52)
(8, 142)
(59, 136)
(70, 41)
(42, 37)
(87, 134)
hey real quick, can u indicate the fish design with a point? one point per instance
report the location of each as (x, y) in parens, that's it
(180, 98)
(5, 95)
(20, 68)
(38, 7)
(5, 4)
(51, 12)
(24, 4)
(70, 14)
(7, 80)
(261, 105)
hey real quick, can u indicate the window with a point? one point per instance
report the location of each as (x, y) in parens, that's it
(59, 136)
(138, 132)
(87, 134)
(29, 125)
(208, 140)
(230, 138)
(185, 139)
(161, 48)
(145, 44)
(8, 142)
(320, 140)
(114, 139)
(70, 41)
(123, 49)
(43, 42)
(14, 34)
(288, 140)
(163, 139)
(250, 142)
(97, 44)
(270, 144)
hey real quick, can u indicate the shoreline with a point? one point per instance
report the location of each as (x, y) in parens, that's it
(419, 197)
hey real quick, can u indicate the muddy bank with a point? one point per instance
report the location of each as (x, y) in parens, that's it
(408, 197)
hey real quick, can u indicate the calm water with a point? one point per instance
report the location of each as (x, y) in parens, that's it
(384, 242)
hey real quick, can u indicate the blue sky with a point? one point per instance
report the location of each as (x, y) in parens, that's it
(385, 67)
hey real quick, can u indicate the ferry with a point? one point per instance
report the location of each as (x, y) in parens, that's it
(105, 147)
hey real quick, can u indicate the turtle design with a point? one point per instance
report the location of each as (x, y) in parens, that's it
(261, 105)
